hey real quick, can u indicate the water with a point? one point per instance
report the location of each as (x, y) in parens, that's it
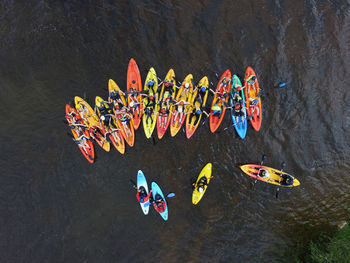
(56, 207)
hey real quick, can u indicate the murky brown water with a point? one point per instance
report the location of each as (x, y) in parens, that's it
(56, 207)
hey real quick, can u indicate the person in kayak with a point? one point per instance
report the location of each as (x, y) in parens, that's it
(149, 114)
(180, 110)
(168, 87)
(142, 196)
(253, 102)
(201, 184)
(150, 85)
(238, 107)
(105, 113)
(84, 112)
(217, 109)
(286, 180)
(201, 93)
(159, 204)
(262, 173)
(250, 81)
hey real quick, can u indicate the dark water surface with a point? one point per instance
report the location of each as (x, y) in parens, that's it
(56, 207)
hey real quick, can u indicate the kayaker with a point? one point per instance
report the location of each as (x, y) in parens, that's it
(238, 108)
(201, 184)
(202, 91)
(149, 113)
(159, 204)
(168, 87)
(217, 109)
(150, 85)
(263, 173)
(286, 180)
(83, 111)
(142, 196)
(253, 102)
(250, 81)
(180, 110)
(150, 102)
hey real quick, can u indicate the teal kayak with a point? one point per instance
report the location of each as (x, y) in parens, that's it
(157, 191)
(241, 125)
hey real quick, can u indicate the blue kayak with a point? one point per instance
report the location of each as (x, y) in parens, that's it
(241, 126)
(156, 190)
(142, 182)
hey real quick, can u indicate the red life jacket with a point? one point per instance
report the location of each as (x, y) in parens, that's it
(161, 207)
(145, 199)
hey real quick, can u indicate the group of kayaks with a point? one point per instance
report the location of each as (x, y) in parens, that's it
(156, 197)
(160, 105)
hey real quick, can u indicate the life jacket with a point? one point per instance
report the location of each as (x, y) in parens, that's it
(216, 108)
(161, 208)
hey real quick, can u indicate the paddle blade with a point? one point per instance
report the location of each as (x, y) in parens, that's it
(147, 204)
(171, 195)
(132, 184)
(263, 159)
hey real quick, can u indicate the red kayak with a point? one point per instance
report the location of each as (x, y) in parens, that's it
(251, 92)
(218, 108)
(80, 135)
(134, 87)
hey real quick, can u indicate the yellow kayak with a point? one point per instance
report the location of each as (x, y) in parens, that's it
(91, 120)
(181, 109)
(206, 172)
(149, 120)
(123, 120)
(270, 175)
(192, 119)
(114, 133)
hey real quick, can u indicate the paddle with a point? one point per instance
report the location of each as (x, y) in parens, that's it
(149, 203)
(132, 184)
(278, 86)
(283, 165)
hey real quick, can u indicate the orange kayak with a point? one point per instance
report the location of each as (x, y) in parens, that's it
(251, 92)
(85, 145)
(133, 84)
(218, 108)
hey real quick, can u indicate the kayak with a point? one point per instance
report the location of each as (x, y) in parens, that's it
(97, 132)
(206, 172)
(114, 133)
(241, 126)
(142, 182)
(85, 145)
(220, 98)
(133, 83)
(251, 91)
(178, 117)
(192, 120)
(151, 86)
(124, 120)
(157, 191)
(273, 176)
(165, 96)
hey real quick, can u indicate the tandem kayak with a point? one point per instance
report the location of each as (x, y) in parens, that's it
(124, 119)
(240, 113)
(197, 101)
(134, 87)
(81, 136)
(270, 175)
(180, 109)
(166, 95)
(221, 97)
(109, 123)
(150, 107)
(251, 92)
(96, 130)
